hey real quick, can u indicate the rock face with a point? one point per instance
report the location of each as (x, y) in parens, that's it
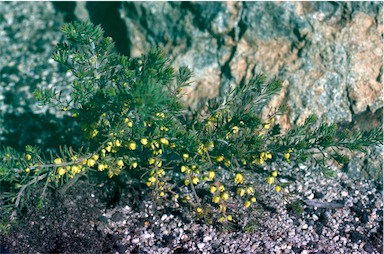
(329, 54)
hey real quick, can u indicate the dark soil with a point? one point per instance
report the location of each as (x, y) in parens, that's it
(67, 224)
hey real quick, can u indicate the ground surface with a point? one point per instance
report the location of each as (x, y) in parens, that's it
(109, 217)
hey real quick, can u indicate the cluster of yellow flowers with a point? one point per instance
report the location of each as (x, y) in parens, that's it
(262, 158)
(125, 149)
(271, 180)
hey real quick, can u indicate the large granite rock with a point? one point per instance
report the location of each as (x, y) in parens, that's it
(329, 54)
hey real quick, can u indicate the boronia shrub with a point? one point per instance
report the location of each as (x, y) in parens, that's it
(131, 114)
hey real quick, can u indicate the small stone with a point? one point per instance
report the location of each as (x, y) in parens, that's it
(164, 217)
(200, 246)
(135, 240)
(291, 233)
(207, 238)
(344, 193)
(145, 236)
(305, 226)
(311, 196)
(304, 252)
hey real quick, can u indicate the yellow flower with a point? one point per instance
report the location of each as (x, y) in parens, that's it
(239, 178)
(110, 174)
(270, 180)
(186, 182)
(75, 169)
(61, 171)
(164, 141)
(144, 141)
(28, 157)
(240, 191)
(152, 179)
(163, 128)
(250, 190)
(216, 199)
(148, 183)
(151, 161)
(259, 161)
(278, 188)
(101, 167)
(161, 194)
(287, 156)
(128, 122)
(91, 162)
(108, 148)
(199, 210)
(235, 129)
(117, 143)
(160, 114)
(183, 168)
(225, 196)
(94, 133)
(132, 145)
(229, 217)
(212, 189)
(195, 180)
(247, 204)
(95, 157)
(211, 144)
(57, 161)
(221, 219)
(222, 208)
(211, 175)
(221, 188)
(274, 173)
(134, 164)
(220, 158)
(120, 163)
(159, 163)
(161, 172)
(185, 156)
(253, 199)
(154, 144)
(267, 124)
(27, 170)
(227, 163)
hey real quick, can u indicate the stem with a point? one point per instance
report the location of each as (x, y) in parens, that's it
(193, 190)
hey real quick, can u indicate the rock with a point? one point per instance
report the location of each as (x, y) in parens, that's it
(135, 240)
(355, 236)
(200, 246)
(207, 239)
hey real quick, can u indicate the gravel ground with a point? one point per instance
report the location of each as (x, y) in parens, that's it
(340, 215)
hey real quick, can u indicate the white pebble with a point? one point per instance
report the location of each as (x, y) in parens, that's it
(200, 246)
(207, 238)
(344, 193)
(145, 236)
(135, 240)
(305, 226)
(311, 196)
(164, 217)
